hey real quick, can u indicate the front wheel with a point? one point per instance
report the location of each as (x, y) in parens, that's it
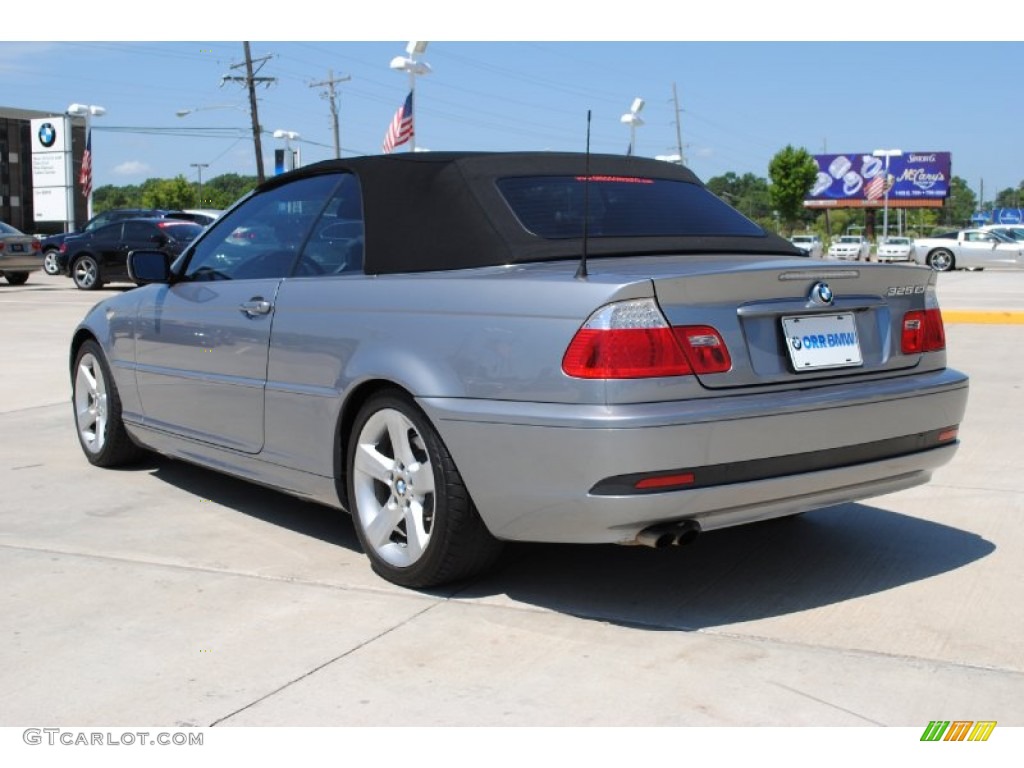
(97, 405)
(941, 260)
(16, 278)
(50, 265)
(412, 513)
(86, 273)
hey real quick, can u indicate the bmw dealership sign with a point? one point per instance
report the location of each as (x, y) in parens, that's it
(51, 180)
(859, 180)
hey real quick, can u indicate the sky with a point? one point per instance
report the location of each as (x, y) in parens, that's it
(741, 98)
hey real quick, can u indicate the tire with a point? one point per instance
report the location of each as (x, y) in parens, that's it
(401, 476)
(941, 260)
(50, 265)
(97, 410)
(16, 278)
(85, 271)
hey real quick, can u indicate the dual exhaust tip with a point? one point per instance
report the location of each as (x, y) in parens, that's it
(669, 534)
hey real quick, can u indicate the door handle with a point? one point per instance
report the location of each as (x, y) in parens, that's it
(256, 306)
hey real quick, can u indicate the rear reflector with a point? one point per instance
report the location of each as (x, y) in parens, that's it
(923, 331)
(704, 348)
(665, 481)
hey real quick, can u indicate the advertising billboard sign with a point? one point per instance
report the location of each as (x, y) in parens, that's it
(858, 180)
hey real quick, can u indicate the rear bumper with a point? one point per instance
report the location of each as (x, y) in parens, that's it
(29, 262)
(532, 469)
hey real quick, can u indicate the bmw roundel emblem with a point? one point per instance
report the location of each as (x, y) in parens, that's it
(795, 341)
(47, 134)
(821, 294)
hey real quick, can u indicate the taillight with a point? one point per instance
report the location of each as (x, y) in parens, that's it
(36, 246)
(63, 247)
(923, 332)
(704, 348)
(632, 340)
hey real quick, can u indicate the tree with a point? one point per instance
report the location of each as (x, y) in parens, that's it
(170, 194)
(222, 191)
(792, 172)
(961, 203)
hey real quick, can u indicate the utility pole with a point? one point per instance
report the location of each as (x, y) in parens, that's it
(679, 128)
(331, 95)
(199, 169)
(251, 81)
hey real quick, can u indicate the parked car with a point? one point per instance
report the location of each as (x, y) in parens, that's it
(51, 245)
(851, 247)
(895, 249)
(437, 344)
(968, 249)
(101, 256)
(203, 216)
(809, 244)
(20, 254)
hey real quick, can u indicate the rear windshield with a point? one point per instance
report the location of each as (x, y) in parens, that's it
(619, 206)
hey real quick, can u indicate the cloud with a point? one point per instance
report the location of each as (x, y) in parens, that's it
(132, 168)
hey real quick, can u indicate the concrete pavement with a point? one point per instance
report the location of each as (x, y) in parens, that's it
(170, 595)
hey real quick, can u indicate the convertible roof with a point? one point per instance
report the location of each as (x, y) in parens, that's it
(443, 210)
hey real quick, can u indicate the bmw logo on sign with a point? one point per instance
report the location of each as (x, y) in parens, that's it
(47, 134)
(795, 341)
(821, 294)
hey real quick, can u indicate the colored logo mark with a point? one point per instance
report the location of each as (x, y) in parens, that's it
(958, 730)
(47, 134)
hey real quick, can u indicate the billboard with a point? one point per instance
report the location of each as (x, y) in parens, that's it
(857, 180)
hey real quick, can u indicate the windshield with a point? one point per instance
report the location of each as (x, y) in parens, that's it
(553, 207)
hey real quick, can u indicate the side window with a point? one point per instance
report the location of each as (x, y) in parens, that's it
(108, 234)
(336, 244)
(138, 232)
(263, 237)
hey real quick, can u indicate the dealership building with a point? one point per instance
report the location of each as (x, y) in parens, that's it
(40, 163)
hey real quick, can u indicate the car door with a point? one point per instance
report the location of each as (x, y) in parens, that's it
(202, 341)
(137, 235)
(983, 249)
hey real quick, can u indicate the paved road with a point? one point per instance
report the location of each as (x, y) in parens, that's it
(169, 595)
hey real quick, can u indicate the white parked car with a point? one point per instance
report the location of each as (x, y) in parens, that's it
(968, 249)
(809, 244)
(895, 249)
(850, 247)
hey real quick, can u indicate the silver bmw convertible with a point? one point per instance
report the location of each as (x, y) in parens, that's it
(465, 349)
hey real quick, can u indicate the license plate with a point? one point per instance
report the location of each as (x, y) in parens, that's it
(17, 248)
(822, 341)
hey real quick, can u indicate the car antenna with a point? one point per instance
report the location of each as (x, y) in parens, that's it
(581, 270)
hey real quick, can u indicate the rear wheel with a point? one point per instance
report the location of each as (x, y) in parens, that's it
(50, 265)
(411, 510)
(16, 278)
(941, 260)
(97, 405)
(86, 273)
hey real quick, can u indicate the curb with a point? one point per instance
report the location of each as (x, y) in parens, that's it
(982, 317)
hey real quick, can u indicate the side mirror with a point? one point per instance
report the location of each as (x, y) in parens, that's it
(149, 267)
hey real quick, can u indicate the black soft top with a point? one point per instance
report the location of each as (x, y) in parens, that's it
(443, 210)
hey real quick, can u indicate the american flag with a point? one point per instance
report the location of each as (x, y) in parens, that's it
(85, 177)
(400, 130)
(875, 188)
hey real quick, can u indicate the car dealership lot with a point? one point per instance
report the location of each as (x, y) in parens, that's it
(170, 595)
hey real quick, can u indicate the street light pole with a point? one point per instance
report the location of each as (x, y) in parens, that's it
(288, 136)
(199, 169)
(414, 67)
(87, 111)
(632, 119)
(887, 154)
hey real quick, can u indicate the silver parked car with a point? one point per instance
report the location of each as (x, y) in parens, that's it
(20, 254)
(969, 249)
(467, 349)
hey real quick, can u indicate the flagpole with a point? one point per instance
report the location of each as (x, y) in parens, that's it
(413, 66)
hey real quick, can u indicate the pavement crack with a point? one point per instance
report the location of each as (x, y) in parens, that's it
(829, 704)
(324, 665)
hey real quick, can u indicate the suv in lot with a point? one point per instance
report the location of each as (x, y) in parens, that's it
(51, 245)
(809, 244)
(852, 247)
